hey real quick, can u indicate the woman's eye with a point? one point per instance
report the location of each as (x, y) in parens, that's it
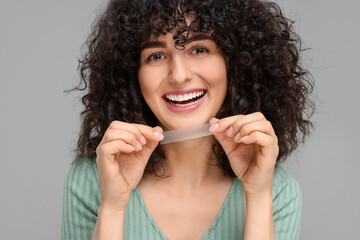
(200, 50)
(155, 57)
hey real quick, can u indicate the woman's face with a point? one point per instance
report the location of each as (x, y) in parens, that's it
(186, 87)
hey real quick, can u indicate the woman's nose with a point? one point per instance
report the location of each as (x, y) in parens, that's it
(179, 70)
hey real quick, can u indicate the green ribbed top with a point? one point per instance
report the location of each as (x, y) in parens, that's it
(81, 201)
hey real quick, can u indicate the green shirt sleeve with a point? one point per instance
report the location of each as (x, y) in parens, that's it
(287, 202)
(81, 200)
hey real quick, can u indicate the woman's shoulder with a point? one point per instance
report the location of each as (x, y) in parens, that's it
(285, 184)
(81, 200)
(282, 177)
(82, 172)
(83, 165)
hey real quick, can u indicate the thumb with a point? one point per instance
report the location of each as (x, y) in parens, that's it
(226, 143)
(152, 140)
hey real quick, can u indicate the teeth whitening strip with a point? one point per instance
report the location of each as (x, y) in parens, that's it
(182, 134)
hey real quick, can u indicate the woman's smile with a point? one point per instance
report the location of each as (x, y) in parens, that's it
(184, 100)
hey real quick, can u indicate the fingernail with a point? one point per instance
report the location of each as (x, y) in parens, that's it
(143, 140)
(229, 131)
(212, 119)
(244, 138)
(129, 146)
(138, 145)
(160, 129)
(159, 135)
(213, 127)
(237, 136)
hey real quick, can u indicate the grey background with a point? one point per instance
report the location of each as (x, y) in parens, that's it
(39, 46)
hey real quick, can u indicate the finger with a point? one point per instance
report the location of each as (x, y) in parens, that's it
(126, 126)
(112, 149)
(226, 143)
(224, 122)
(151, 133)
(259, 138)
(217, 126)
(242, 121)
(142, 132)
(260, 126)
(116, 146)
(233, 124)
(153, 137)
(120, 134)
(268, 143)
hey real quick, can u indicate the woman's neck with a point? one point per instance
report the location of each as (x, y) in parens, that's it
(191, 163)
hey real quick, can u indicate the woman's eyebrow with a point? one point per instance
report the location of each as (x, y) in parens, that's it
(159, 44)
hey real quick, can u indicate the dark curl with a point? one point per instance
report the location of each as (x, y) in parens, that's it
(262, 54)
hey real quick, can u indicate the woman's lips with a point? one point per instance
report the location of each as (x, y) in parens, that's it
(181, 108)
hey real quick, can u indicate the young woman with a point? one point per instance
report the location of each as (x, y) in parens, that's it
(153, 66)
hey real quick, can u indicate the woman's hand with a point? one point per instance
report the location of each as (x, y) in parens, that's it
(251, 145)
(121, 159)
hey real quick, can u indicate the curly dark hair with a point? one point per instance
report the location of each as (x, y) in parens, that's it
(261, 50)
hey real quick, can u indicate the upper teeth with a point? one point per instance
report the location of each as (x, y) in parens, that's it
(184, 97)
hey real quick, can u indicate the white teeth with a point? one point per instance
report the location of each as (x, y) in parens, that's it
(183, 105)
(184, 97)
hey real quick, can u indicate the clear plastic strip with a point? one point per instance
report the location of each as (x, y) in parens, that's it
(182, 134)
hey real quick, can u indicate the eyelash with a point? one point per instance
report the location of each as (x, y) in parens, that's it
(148, 59)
